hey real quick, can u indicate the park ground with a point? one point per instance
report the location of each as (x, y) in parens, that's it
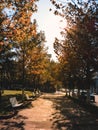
(52, 112)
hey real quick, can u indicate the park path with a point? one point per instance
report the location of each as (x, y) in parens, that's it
(51, 112)
(39, 116)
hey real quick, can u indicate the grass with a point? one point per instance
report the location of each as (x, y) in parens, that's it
(14, 92)
(5, 106)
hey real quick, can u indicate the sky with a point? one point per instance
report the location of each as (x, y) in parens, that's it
(49, 23)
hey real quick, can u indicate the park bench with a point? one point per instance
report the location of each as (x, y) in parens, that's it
(29, 98)
(15, 103)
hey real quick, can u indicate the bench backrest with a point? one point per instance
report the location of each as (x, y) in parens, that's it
(27, 96)
(13, 101)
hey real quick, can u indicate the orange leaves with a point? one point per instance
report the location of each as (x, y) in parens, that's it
(22, 33)
(6, 22)
(17, 23)
(37, 61)
(24, 18)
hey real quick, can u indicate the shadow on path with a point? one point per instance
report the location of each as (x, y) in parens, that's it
(15, 123)
(52, 112)
(70, 116)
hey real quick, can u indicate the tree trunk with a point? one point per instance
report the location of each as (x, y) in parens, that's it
(0, 94)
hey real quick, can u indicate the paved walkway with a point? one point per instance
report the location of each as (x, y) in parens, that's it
(51, 112)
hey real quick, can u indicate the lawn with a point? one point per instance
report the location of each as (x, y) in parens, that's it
(14, 92)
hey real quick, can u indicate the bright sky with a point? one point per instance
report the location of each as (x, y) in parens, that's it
(49, 23)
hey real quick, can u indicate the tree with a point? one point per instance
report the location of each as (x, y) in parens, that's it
(35, 59)
(16, 23)
(79, 49)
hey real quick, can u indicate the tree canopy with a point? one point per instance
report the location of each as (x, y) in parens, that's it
(23, 57)
(78, 51)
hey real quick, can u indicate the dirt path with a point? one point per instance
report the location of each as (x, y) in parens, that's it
(51, 112)
(38, 117)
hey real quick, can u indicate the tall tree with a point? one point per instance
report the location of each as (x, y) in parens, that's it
(16, 25)
(34, 57)
(80, 46)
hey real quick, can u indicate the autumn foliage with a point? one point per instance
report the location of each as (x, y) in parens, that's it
(78, 51)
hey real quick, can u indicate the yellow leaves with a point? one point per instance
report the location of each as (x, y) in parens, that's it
(37, 61)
